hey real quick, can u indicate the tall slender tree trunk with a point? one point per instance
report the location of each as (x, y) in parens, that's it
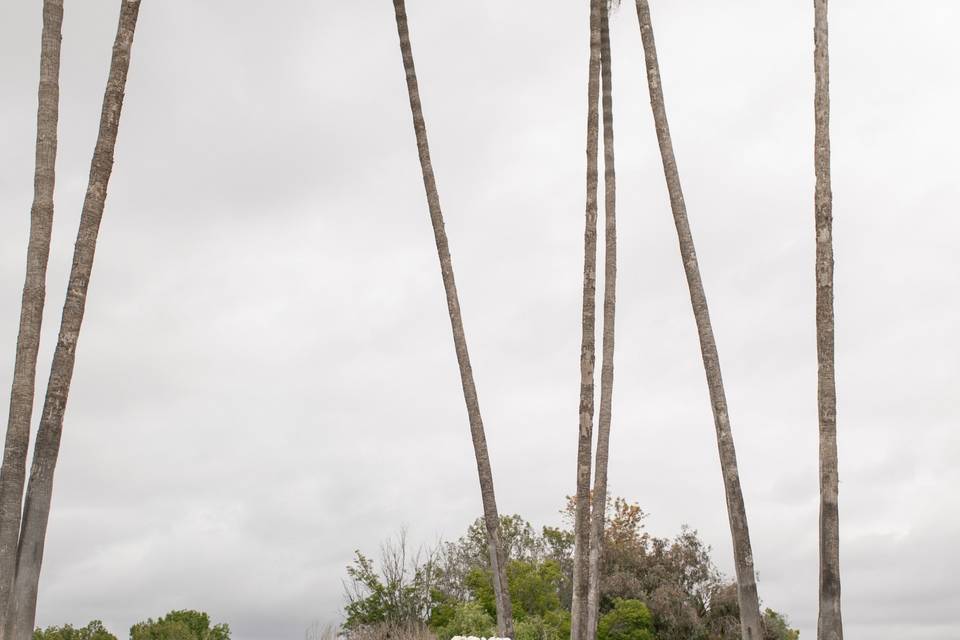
(750, 621)
(581, 552)
(491, 518)
(829, 623)
(14, 469)
(40, 488)
(609, 311)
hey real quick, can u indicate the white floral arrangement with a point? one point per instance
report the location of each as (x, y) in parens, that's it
(476, 638)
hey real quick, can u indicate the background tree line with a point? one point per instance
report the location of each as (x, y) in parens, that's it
(176, 625)
(650, 587)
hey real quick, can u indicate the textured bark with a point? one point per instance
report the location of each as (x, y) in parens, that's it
(14, 469)
(491, 518)
(736, 511)
(40, 488)
(609, 312)
(829, 623)
(581, 552)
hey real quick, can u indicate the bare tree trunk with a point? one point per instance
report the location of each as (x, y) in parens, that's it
(47, 448)
(829, 623)
(490, 516)
(598, 511)
(750, 621)
(14, 470)
(581, 559)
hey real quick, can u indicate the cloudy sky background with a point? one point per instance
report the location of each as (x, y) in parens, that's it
(266, 379)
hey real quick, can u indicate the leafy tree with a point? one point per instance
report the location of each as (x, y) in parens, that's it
(467, 619)
(180, 625)
(534, 594)
(401, 591)
(559, 548)
(554, 625)
(443, 611)
(722, 618)
(675, 578)
(776, 627)
(93, 631)
(518, 537)
(534, 587)
(373, 606)
(628, 620)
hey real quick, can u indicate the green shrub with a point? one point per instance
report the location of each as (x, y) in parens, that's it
(553, 625)
(467, 619)
(628, 620)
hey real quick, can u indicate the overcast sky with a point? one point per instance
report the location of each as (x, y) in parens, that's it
(266, 380)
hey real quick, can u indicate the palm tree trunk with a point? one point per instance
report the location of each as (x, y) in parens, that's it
(14, 469)
(609, 309)
(581, 560)
(829, 624)
(490, 516)
(736, 511)
(40, 488)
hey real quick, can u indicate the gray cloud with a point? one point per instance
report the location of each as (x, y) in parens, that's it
(265, 380)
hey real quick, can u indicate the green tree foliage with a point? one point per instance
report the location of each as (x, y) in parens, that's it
(451, 590)
(401, 591)
(465, 619)
(93, 631)
(180, 625)
(722, 618)
(375, 604)
(553, 625)
(534, 587)
(776, 627)
(559, 548)
(534, 594)
(627, 620)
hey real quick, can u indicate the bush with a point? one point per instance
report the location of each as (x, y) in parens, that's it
(553, 625)
(628, 620)
(467, 619)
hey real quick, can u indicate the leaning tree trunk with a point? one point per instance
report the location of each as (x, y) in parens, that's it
(750, 622)
(829, 623)
(490, 517)
(609, 309)
(13, 472)
(39, 491)
(581, 559)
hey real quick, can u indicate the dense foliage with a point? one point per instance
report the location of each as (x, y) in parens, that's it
(176, 625)
(628, 620)
(93, 631)
(650, 588)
